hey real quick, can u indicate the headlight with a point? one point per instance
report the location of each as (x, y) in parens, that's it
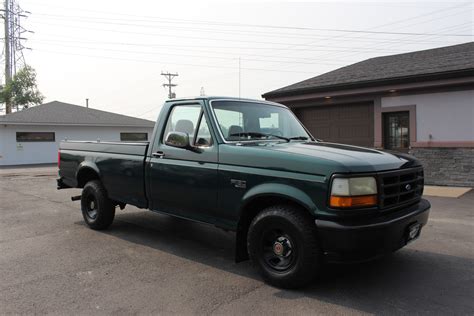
(353, 192)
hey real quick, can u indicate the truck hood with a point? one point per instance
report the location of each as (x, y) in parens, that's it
(354, 158)
(319, 158)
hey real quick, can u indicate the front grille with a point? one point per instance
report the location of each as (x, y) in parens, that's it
(400, 187)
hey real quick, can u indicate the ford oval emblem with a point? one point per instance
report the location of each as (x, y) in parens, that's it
(408, 187)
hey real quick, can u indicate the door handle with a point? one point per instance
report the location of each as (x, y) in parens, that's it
(158, 154)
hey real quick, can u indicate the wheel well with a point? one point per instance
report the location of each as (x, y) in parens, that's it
(85, 175)
(249, 212)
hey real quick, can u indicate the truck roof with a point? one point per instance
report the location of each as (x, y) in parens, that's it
(223, 98)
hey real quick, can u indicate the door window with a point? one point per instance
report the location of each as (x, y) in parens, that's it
(203, 137)
(184, 119)
(396, 130)
(189, 119)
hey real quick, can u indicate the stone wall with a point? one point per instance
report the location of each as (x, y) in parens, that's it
(447, 166)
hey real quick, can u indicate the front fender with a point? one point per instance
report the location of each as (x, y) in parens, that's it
(281, 190)
(266, 189)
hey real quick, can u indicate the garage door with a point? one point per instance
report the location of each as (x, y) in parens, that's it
(348, 124)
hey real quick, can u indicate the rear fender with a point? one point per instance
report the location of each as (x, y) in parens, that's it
(86, 167)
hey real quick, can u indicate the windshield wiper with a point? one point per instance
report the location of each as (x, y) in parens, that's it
(257, 134)
(298, 138)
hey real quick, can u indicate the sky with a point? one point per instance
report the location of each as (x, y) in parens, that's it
(113, 52)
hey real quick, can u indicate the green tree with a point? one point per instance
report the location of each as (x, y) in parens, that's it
(21, 92)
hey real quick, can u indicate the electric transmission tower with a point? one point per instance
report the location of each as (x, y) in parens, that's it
(12, 55)
(169, 85)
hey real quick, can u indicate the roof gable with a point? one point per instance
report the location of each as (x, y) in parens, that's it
(60, 113)
(448, 59)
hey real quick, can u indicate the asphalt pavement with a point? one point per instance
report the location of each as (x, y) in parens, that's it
(146, 263)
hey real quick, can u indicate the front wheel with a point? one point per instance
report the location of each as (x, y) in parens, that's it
(97, 209)
(282, 244)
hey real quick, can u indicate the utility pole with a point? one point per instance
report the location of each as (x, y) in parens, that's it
(8, 68)
(12, 14)
(169, 77)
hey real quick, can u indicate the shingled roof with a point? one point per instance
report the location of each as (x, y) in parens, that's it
(457, 60)
(60, 113)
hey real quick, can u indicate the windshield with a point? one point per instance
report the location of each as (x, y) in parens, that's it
(240, 120)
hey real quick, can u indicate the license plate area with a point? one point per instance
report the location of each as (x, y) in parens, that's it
(413, 232)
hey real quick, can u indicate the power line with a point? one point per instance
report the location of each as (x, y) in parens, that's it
(292, 47)
(350, 38)
(448, 28)
(336, 48)
(310, 44)
(188, 46)
(160, 62)
(385, 43)
(102, 20)
(148, 111)
(196, 56)
(175, 35)
(267, 26)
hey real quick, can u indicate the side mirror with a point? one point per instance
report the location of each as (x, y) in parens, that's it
(177, 139)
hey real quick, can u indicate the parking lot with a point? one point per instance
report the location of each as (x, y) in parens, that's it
(50, 262)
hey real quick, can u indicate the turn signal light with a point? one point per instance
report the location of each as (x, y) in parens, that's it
(353, 201)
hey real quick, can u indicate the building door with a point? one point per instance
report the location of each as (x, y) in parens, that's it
(351, 124)
(396, 131)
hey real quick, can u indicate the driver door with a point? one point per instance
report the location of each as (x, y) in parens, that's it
(184, 182)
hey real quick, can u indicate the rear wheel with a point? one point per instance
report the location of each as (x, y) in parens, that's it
(97, 209)
(282, 244)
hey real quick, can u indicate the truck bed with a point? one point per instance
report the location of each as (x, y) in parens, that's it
(120, 166)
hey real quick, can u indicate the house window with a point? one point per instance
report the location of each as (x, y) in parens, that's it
(35, 136)
(133, 137)
(396, 133)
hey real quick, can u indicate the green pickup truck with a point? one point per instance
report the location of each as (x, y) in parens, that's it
(251, 167)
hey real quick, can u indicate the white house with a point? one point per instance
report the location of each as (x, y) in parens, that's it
(32, 136)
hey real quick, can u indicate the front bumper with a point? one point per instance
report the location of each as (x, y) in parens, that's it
(361, 240)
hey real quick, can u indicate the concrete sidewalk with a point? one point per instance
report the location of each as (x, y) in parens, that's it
(451, 192)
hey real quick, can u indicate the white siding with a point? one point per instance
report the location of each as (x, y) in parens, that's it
(17, 153)
(447, 116)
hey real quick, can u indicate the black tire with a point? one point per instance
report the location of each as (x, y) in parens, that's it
(293, 260)
(97, 209)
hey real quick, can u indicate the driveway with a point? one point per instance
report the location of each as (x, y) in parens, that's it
(50, 262)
